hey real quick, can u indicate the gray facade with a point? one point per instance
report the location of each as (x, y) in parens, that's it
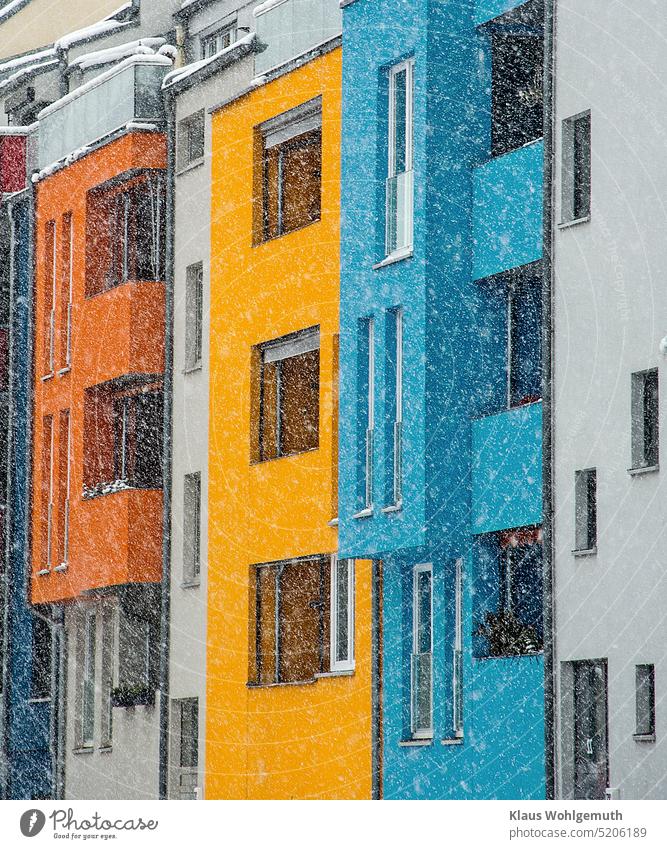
(609, 485)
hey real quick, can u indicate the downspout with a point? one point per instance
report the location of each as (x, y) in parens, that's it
(547, 409)
(376, 680)
(163, 778)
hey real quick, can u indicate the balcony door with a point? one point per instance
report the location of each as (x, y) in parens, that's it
(591, 758)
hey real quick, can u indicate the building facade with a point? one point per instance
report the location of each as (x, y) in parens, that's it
(289, 637)
(608, 410)
(440, 424)
(96, 529)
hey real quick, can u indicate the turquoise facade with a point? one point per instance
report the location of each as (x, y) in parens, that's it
(470, 432)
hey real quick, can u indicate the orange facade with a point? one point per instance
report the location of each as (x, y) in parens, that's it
(98, 362)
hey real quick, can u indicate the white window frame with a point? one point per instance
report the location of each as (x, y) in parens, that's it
(194, 315)
(397, 472)
(68, 333)
(49, 516)
(65, 560)
(367, 507)
(109, 627)
(457, 659)
(347, 664)
(583, 506)
(419, 569)
(403, 242)
(569, 179)
(54, 286)
(216, 39)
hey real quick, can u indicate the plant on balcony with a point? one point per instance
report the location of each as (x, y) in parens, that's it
(105, 488)
(131, 695)
(508, 636)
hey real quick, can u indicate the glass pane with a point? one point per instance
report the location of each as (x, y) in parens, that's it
(342, 605)
(423, 600)
(400, 122)
(421, 692)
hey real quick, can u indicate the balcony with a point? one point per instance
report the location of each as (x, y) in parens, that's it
(507, 211)
(122, 332)
(507, 469)
(290, 28)
(116, 539)
(12, 159)
(129, 92)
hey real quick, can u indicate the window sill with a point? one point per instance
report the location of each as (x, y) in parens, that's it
(193, 368)
(585, 552)
(397, 256)
(190, 585)
(83, 750)
(643, 470)
(47, 376)
(43, 572)
(269, 239)
(284, 456)
(363, 514)
(104, 750)
(644, 738)
(254, 685)
(563, 225)
(333, 523)
(393, 508)
(335, 673)
(416, 741)
(191, 166)
(39, 700)
(62, 567)
(452, 741)
(509, 656)
(64, 370)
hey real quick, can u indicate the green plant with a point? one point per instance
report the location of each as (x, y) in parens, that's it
(130, 695)
(507, 635)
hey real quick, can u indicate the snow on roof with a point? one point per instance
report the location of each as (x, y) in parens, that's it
(26, 59)
(264, 7)
(115, 54)
(137, 59)
(26, 72)
(104, 27)
(181, 73)
(10, 8)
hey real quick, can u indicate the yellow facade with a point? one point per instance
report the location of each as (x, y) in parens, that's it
(310, 740)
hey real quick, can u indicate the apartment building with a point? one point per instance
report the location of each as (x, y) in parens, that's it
(221, 53)
(288, 700)
(440, 423)
(96, 530)
(608, 411)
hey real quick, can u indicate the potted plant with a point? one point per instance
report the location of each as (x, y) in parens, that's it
(508, 636)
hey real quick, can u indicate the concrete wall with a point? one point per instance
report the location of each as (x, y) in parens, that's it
(610, 315)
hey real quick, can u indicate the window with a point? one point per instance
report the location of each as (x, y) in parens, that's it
(292, 600)
(47, 490)
(394, 405)
(645, 419)
(289, 395)
(524, 342)
(191, 527)
(342, 614)
(585, 506)
(645, 700)
(516, 90)
(399, 186)
(64, 450)
(136, 635)
(335, 408)
(40, 679)
(421, 660)
(191, 139)
(508, 593)
(125, 233)
(365, 413)
(66, 293)
(292, 170)
(88, 679)
(108, 646)
(457, 660)
(50, 286)
(194, 304)
(576, 177)
(122, 438)
(217, 41)
(185, 761)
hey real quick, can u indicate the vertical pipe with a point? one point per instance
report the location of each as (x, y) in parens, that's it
(163, 769)
(376, 680)
(547, 407)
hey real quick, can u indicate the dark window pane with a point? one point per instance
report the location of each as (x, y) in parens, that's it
(582, 166)
(651, 418)
(645, 698)
(516, 91)
(189, 733)
(299, 402)
(40, 682)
